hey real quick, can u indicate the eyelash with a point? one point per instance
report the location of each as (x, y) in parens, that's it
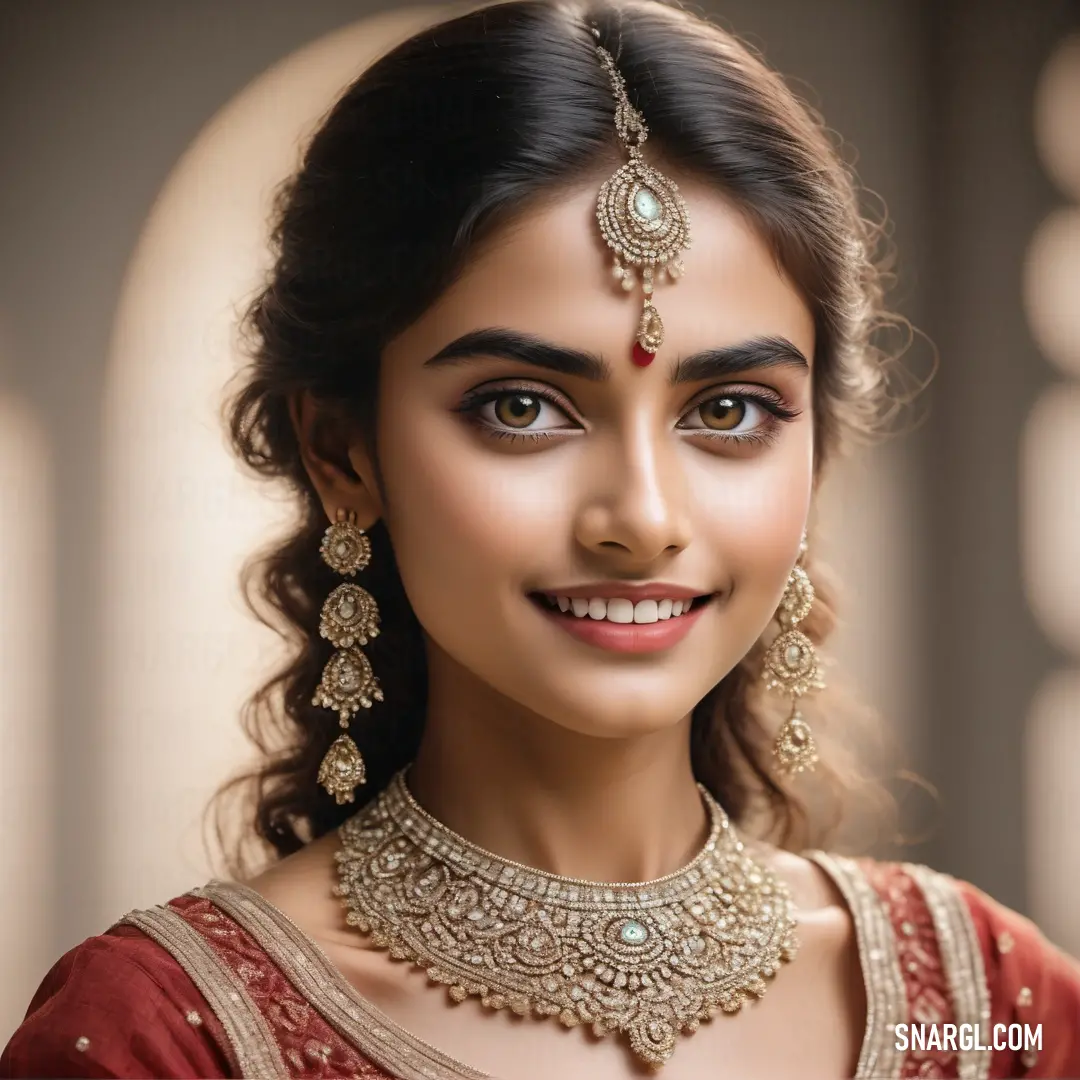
(777, 414)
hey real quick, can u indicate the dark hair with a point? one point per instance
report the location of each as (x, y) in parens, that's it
(430, 152)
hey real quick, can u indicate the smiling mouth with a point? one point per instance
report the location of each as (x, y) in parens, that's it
(619, 611)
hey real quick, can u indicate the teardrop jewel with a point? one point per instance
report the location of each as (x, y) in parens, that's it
(795, 749)
(342, 769)
(650, 333)
(347, 684)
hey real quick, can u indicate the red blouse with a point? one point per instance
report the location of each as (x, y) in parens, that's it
(219, 983)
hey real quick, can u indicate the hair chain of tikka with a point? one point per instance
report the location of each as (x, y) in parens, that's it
(642, 217)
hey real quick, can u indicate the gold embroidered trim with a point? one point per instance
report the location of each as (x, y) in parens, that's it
(886, 998)
(253, 1047)
(962, 960)
(379, 1038)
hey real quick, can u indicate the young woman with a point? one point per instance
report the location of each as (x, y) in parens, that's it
(572, 306)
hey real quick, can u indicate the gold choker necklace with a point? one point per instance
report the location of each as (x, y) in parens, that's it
(649, 959)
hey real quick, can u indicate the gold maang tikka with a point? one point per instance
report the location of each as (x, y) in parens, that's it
(642, 217)
(350, 618)
(792, 667)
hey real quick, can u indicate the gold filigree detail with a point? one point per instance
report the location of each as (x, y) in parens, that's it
(798, 598)
(349, 617)
(791, 664)
(345, 547)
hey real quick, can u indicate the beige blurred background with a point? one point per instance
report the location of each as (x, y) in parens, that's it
(139, 145)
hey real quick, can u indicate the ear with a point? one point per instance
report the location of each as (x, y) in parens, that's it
(336, 460)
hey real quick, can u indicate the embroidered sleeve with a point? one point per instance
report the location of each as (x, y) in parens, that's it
(275, 1030)
(1031, 983)
(109, 1008)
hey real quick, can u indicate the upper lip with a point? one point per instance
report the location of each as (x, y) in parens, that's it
(606, 590)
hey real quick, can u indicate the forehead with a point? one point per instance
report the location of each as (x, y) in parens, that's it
(549, 273)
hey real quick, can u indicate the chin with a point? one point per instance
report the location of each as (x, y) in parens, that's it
(625, 714)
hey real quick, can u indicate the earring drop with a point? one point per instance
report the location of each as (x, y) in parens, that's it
(792, 667)
(350, 617)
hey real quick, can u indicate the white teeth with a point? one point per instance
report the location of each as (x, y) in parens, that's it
(620, 610)
(645, 611)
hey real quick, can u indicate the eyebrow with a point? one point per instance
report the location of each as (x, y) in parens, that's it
(722, 362)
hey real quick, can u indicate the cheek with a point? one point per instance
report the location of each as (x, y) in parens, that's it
(463, 521)
(755, 515)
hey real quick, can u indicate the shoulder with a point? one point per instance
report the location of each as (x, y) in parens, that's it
(116, 1005)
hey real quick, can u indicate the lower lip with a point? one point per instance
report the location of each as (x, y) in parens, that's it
(626, 637)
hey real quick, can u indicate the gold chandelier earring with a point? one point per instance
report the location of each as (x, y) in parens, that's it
(350, 617)
(792, 667)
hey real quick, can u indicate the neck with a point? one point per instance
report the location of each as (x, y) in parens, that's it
(601, 809)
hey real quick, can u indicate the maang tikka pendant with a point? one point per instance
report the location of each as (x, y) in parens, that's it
(642, 218)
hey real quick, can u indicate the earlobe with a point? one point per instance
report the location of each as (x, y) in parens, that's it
(339, 471)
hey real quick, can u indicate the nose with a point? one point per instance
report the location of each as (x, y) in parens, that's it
(637, 501)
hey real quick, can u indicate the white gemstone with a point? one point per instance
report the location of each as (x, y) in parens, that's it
(347, 609)
(647, 205)
(793, 655)
(341, 548)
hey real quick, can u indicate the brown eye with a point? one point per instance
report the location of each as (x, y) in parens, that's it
(723, 414)
(517, 410)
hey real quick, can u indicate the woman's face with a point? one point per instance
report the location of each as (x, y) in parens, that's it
(510, 482)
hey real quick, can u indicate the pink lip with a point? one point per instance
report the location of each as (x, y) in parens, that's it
(625, 637)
